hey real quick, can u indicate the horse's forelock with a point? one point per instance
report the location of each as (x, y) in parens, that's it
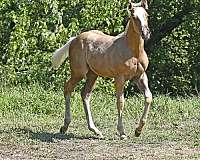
(140, 13)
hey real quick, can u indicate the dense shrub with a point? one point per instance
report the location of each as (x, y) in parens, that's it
(30, 31)
(174, 65)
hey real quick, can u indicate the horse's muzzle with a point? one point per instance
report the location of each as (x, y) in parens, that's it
(145, 33)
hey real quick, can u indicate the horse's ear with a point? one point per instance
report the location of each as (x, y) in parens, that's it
(144, 4)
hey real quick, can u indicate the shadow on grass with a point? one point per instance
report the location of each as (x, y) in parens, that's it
(45, 136)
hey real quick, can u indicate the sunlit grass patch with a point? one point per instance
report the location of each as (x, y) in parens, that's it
(34, 115)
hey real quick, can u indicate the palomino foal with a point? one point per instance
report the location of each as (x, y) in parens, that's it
(93, 53)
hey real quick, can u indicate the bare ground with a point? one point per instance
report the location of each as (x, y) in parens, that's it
(89, 149)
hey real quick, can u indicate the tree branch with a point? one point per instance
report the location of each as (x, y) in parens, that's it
(167, 27)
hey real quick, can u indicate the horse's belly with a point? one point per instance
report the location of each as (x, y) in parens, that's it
(110, 66)
(100, 65)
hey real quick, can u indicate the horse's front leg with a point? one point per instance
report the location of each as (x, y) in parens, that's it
(143, 86)
(119, 85)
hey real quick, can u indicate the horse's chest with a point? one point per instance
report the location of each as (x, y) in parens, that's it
(132, 69)
(130, 66)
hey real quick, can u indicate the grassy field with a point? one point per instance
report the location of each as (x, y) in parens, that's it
(30, 119)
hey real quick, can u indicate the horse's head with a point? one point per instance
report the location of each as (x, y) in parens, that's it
(140, 18)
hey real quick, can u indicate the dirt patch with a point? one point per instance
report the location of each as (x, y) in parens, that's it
(89, 149)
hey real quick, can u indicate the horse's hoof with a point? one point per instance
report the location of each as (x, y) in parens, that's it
(137, 133)
(123, 137)
(62, 130)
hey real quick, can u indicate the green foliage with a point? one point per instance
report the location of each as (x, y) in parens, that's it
(29, 40)
(30, 31)
(174, 63)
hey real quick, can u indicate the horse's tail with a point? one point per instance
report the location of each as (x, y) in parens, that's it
(61, 54)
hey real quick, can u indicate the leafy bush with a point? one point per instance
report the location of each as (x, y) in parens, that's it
(30, 31)
(174, 63)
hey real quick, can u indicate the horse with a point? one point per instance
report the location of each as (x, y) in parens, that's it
(122, 57)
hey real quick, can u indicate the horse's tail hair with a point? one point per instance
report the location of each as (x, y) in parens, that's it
(61, 54)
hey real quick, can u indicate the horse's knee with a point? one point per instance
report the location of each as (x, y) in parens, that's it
(149, 100)
(148, 97)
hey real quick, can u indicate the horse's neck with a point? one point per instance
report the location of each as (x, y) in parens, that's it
(135, 41)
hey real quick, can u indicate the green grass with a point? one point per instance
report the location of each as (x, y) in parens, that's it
(30, 115)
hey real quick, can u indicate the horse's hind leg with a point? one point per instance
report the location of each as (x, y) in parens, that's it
(86, 94)
(143, 86)
(68, 88)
